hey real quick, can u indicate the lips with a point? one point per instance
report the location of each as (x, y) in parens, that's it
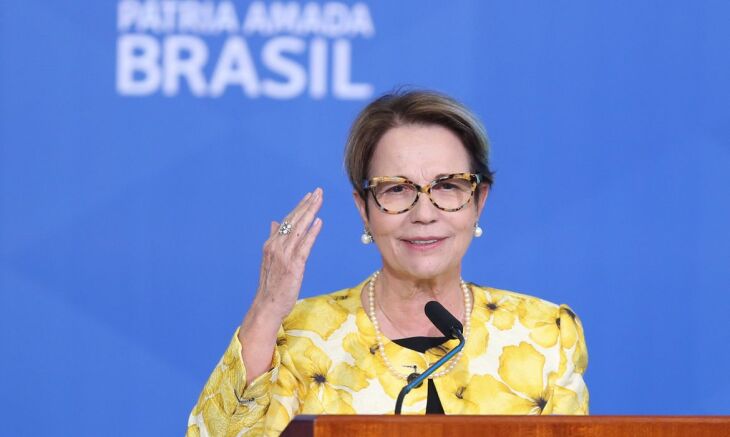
(423, 243)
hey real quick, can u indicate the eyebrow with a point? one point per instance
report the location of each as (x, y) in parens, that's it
(435, 177)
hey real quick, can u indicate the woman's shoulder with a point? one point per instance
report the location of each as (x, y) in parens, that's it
(529, 303)
(492, 293)
(324, 313)
(543, 322)
(345, 299)
(531, 311)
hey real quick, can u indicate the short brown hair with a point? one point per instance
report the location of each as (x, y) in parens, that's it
(401, 108)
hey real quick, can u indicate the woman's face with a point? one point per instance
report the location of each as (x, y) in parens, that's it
(425, 241)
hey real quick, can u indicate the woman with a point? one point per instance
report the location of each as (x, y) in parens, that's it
(418, 164)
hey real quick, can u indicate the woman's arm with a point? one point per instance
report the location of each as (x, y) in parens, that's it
(280, 280)
(569, 393)
(238, 393)
(228, 405)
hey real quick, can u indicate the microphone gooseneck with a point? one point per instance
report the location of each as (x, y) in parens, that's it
(451, 328)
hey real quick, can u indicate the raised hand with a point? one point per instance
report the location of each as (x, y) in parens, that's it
(285, 255)
(280, 280)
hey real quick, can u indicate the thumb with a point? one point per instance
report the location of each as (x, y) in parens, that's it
(274, 229)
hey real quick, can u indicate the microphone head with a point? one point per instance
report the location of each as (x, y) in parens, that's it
(443, 319)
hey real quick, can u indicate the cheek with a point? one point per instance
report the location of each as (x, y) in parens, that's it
(384, 225)
(465, 220)
(464, 229)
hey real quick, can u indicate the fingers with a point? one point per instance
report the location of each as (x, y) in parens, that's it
(307, 216)
(301, 220)
(274, 230)
(294, 214)
(308, 241)
(265, 261)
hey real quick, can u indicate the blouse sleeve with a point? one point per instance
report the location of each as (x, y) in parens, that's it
(229, 407)
(569, 392)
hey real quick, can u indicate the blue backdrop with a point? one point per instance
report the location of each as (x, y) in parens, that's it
(146, 145)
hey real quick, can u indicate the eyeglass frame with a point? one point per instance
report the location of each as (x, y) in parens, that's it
(372, 183)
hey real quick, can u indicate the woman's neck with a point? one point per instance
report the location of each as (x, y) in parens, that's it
(399, 302)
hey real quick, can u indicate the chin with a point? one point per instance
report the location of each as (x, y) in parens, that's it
(422, 264)
(424, 270)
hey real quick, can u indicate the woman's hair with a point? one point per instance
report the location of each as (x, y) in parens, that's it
(401, 108)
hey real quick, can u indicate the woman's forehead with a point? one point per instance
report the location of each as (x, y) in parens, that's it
(420, 153)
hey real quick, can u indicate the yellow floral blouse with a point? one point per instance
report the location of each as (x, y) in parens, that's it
(524, 356)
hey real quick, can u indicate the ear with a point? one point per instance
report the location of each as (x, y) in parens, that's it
(360, 204)
(483, 194)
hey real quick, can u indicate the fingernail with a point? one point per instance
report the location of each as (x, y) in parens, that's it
(317, 221)
(307, 196)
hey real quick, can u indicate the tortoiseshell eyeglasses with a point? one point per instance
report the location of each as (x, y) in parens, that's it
(396, 194)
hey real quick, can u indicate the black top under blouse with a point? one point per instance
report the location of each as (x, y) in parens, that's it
(422, 344)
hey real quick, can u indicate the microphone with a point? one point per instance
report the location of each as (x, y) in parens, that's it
(449, 325)
(451, 328)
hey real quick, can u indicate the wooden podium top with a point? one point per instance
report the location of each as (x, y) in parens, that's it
(508, 426)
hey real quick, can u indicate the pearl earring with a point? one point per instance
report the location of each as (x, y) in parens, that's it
(477, 230)
(366, 237)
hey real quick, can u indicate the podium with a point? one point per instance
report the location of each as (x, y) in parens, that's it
(508, 426)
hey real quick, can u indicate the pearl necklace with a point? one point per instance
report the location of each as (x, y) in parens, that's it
(379, 335)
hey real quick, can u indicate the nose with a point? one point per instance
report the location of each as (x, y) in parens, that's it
(424, 211)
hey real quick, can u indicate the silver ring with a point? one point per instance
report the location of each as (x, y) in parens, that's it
(285, 228)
